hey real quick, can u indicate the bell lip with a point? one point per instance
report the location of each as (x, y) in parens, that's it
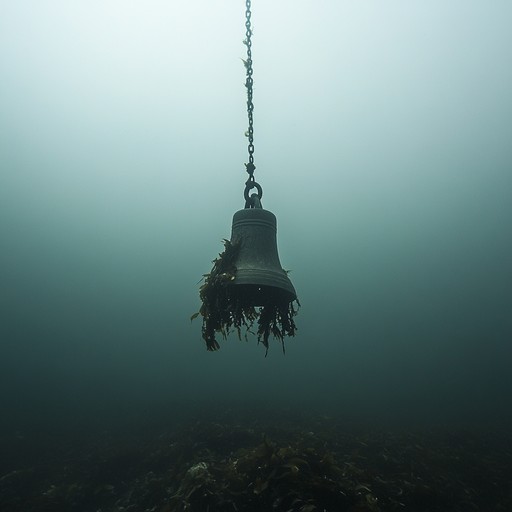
(263, 295)
(269, 278)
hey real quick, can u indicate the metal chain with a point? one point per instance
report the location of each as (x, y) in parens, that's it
(251, 183)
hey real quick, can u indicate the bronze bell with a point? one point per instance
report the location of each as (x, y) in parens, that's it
(260, 280)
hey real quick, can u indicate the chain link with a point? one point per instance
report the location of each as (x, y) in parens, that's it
(251, 183)
(249, 84)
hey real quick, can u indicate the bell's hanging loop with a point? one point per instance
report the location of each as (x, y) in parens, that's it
(254, 200)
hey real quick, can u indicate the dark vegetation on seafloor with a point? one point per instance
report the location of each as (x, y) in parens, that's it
(251, 465)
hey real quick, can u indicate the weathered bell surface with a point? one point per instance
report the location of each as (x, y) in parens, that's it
(260, 279)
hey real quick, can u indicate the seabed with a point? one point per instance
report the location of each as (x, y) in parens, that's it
(280, 463)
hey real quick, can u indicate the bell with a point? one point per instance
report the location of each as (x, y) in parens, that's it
(260, 280)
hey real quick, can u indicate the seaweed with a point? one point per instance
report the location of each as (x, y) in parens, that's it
(225, 309)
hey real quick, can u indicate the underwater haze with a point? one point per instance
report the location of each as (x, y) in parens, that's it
(382, 135)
